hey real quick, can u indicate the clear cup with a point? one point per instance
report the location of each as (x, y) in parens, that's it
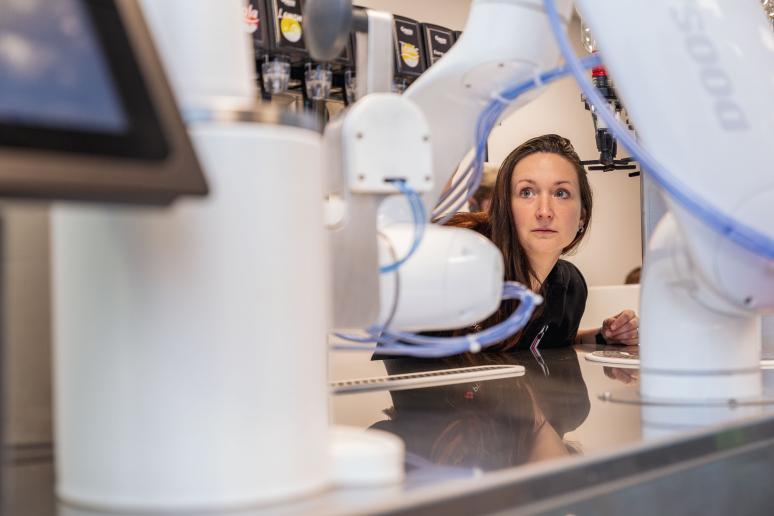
(275, 74)
(318, 79)
(350, 86)
(587, 38)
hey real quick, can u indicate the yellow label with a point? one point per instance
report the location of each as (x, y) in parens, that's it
(410, 54)
(290, 29)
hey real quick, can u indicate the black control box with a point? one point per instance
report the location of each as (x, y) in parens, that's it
(438, 40)
(410, 59)
(285, 28)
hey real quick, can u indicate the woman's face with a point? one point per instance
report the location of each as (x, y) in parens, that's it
(545, 204)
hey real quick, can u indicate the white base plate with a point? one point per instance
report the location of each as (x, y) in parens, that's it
(628, 360)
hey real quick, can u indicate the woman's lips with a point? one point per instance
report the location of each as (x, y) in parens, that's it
(543, 231)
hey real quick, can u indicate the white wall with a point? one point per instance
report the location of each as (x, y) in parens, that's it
(26, 376)
(447, 13)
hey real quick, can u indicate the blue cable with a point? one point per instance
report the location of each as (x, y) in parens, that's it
(418, 212)
(419, 216)
(409, 344)
(739, 233)
(492, 335)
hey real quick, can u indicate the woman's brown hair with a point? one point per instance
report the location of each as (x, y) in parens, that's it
(498, 224)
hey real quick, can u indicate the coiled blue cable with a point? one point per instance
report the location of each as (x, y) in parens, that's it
(419, 216)
(739, 233)
(410, 344)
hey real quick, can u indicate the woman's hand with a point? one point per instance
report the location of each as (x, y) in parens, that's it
(623, 328)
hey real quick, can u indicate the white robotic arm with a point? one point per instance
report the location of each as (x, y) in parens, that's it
(698, 84)
(680, 72)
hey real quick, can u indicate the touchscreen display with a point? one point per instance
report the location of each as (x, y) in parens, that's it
(52, 69)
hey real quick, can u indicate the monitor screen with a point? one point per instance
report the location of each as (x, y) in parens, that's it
(85, 109)
(54, 72)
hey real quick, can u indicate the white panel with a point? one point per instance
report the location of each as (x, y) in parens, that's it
(385, 136)
(607, 301)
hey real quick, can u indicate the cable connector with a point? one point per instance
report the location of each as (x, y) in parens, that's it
(474, 346)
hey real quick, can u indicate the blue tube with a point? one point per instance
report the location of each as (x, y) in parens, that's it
(418, 212)
(409, 344)
(739, 233)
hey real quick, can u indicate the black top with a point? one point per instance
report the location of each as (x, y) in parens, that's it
(566, 294)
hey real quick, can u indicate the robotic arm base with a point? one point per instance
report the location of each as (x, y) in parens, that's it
(694, 344)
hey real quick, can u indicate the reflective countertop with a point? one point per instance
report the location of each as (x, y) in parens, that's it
(560, 408)
(552, 430)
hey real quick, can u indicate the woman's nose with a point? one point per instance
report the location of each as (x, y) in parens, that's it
(544, 208)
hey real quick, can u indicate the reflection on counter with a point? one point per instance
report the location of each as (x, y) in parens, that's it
(625, 375)
(488, 425)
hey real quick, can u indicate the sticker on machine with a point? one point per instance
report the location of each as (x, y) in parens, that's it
(252, 20)
(410, 54)
(290, 28)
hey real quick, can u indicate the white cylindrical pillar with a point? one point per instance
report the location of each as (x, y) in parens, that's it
(206, 50)
(663, 421)
(190, 351)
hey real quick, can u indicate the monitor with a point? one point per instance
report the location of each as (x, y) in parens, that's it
(86, 112)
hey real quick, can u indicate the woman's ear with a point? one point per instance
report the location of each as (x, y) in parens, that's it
(582, 222)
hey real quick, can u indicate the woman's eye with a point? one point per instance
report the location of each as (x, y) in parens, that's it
(526, 192)
(562, 194)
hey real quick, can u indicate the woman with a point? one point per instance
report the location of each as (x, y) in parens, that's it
(541, 210)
